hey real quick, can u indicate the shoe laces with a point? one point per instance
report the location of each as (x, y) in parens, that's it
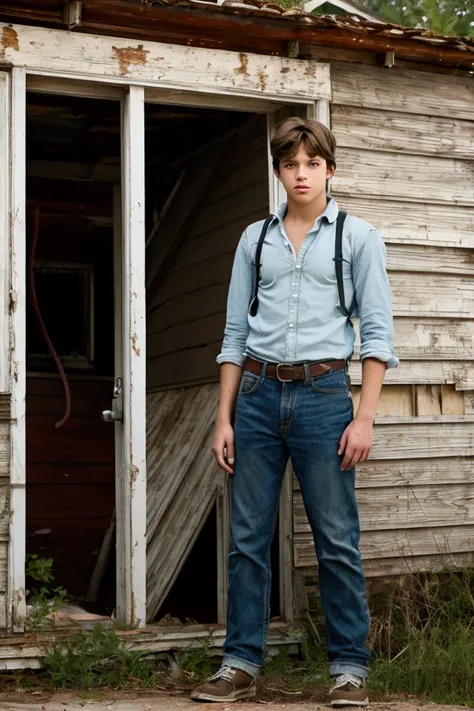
(344, 679)
(226, 673)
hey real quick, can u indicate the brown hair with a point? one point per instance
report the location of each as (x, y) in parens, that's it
(295, 132)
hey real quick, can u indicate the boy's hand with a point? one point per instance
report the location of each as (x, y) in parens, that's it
(356, 443)
(223, 447)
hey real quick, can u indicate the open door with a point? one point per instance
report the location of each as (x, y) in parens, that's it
(128, 412)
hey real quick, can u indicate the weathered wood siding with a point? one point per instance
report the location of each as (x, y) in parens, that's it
(183, 481)
(4, 503)
(406, 164)
(187, 318)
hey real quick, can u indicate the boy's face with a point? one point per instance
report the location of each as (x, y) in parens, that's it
(304, 177)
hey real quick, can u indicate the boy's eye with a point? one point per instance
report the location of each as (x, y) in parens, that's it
(314, 164)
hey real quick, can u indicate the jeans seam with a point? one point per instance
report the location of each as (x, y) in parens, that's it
(292, 406)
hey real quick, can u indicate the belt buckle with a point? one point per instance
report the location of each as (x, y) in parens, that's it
(283, 365)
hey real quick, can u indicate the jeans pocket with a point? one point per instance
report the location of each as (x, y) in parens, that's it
(249, 383)
(334, 383)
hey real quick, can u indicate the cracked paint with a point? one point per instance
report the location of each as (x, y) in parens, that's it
(134, 472)
(135, 348)
(10, 39)
(244, 64)
(262, 80)
(130, 55)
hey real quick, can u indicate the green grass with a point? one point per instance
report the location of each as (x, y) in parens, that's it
(423, 638)
(98, 659)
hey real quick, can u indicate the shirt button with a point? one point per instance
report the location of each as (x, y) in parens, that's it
(298, 266)
(294, 296)
(291, 325)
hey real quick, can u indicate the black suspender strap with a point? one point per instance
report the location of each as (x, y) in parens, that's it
(258, 264)
(341, 218)
(338, 259)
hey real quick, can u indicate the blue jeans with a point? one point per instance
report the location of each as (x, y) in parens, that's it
(303, 420)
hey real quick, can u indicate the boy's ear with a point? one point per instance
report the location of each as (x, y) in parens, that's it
(330, 172)
(276, 173)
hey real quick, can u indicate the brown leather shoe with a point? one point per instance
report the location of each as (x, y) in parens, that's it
(348, 690)
(227, 685)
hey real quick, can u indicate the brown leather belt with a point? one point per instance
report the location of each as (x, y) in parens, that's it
(286, 372)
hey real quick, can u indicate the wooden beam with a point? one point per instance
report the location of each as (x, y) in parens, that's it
(102, 560)
(72, 14)
(73, 87)
(263, 33)
(166, 206)
(131, 521)
(121, 61)
(17, 370)
(180, 212)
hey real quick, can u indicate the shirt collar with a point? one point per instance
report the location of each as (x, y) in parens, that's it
(329, 214)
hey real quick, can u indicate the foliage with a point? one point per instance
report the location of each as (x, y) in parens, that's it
(444, 17)
(197, 664)
(422, 637)
(97, 659)
(43, 599)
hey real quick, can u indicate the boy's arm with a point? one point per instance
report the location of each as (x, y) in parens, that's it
(232, 356)
(376, 334)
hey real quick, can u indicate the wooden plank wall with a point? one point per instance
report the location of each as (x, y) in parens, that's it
(406, 164)
(186, 323)
(70, 475)
(4, 503)
(183, 481)
(185, 329)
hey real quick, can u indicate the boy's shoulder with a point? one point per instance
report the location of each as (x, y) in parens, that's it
(252, 233)
(359, 231)
(358, 226)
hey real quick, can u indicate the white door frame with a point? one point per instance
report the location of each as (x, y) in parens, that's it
(47, 61)
(17, 371)
(131, 505)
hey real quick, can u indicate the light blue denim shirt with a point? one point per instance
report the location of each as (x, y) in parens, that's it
(298, 318)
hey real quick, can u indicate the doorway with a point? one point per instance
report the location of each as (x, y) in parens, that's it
(72, 163)
(207, 179)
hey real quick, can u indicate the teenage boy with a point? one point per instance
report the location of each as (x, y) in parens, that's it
(285, 392)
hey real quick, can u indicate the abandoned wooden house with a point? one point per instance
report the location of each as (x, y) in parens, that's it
(133, 152)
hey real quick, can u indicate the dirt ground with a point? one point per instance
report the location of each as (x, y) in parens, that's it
(166, 702)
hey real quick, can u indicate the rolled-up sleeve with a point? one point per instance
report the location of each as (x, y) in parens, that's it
(238, 300)
(374, 301)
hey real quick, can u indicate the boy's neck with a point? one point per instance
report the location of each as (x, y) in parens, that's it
(306, 213)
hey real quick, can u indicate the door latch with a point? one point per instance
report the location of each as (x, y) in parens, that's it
(116, 413)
